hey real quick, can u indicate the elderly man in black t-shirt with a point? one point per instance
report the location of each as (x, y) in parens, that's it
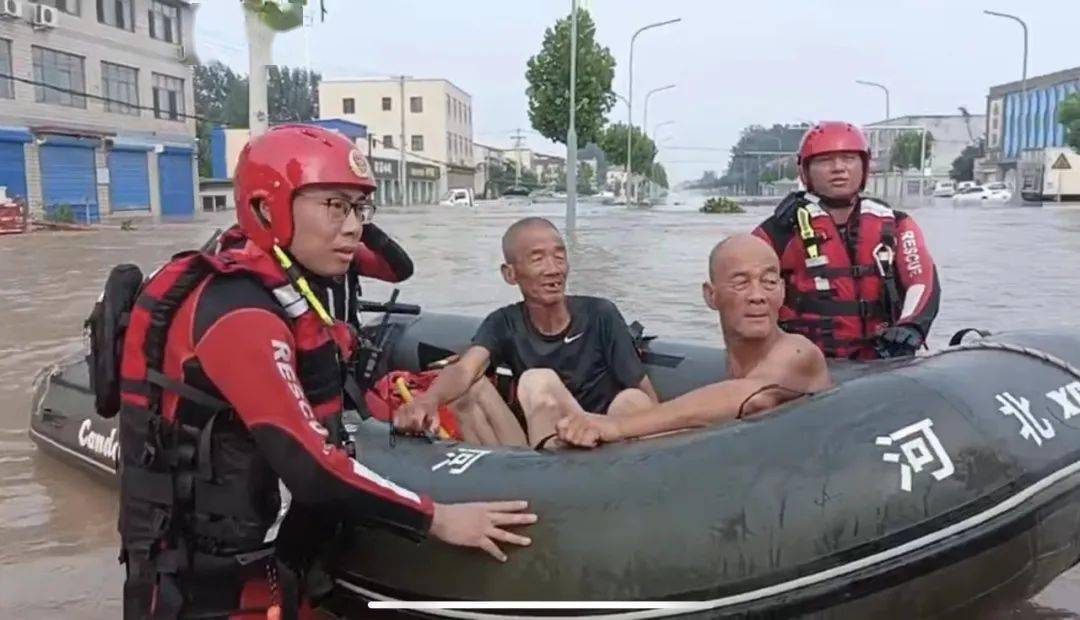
(569, 354)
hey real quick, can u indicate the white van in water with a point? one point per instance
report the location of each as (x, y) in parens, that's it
(457, 197)
(944, 189)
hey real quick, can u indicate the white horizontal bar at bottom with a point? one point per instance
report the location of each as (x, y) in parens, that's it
(419, 605)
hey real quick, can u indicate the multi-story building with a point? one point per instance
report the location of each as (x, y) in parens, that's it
(96, 106)
(226, 144)
(431, 119)
(950, 134)
(487, 159)
(1023, 133)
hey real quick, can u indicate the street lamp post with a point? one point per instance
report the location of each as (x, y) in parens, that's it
(630, 101)
(1023, 78)
(657, 127)
(645, 119)
(571, 133)
(888, 115)
(645, 125)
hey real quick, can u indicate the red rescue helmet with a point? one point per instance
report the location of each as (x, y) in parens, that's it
(274, 166)
(832, 137)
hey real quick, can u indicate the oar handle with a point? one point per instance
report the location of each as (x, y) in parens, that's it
(406, 396)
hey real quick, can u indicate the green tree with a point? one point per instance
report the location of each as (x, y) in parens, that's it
(658, 175)
(905, 150)
(585, 177)
(613, 142)
(548, 75)
(1069, 115)
(963, 167)
(708, 180)
(502, 174)
(292, 95)
(221, 98)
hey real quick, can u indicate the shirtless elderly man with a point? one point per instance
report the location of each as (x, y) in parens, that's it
(766, 366)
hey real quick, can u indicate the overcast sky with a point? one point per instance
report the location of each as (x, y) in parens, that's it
(734, 63)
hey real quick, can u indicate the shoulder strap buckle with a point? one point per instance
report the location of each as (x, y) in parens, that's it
(883, 259)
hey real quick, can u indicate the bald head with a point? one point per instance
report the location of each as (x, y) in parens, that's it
(739, 248)
(511, 238)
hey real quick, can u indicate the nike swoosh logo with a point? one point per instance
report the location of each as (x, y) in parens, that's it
(569, 339)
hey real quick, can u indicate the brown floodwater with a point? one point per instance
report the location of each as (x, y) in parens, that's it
(1000, 268)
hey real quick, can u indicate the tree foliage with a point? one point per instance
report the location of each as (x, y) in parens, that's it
(658, 175)
(585, 184)
(548, 75)
(1069, 115)
(292, 94)
(221, 98)
(613, 142)
(501, 177)
(905, 150)
(963, 167)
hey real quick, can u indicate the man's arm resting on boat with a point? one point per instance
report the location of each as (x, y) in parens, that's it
(453, 381)
(249, 355)
(794, 367)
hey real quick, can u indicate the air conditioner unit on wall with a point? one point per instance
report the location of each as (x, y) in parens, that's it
(10, 8)
(46, 17)
(186, 55)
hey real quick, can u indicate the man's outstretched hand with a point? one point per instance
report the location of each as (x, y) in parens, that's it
(588, 430)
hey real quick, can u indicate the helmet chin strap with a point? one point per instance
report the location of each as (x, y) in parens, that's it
(300, 283)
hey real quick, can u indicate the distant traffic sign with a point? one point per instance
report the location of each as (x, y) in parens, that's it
(1062, 163)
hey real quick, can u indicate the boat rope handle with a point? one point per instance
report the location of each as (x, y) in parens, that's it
(766, 388)
(1040, 355)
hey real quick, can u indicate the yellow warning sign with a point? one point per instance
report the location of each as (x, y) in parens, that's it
(1062, 163)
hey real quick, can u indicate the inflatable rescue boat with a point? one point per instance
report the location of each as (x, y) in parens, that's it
(919, 487)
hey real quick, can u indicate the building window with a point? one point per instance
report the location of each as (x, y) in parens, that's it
(449, 143)
(70, 7)
(164, 22)
(388, 141)
(448, 106)
(214, 203)
(118, 13)
(168, 97)
(120, 85)
(348, 105)
(386, 104)
(468, 115)
(7, 87)
(416, 105)
(417, 143)
(62, 71)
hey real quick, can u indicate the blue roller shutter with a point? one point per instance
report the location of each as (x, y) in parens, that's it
(129, 180)
(175, 174)
(13, 162)
(68, 178)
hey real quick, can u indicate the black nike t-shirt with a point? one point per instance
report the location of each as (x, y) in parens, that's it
(595, 356)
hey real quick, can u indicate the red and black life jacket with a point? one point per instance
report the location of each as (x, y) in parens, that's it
(188, 473)
(840, 294)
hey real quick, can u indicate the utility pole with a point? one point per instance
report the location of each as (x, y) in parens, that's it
(401, 147)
